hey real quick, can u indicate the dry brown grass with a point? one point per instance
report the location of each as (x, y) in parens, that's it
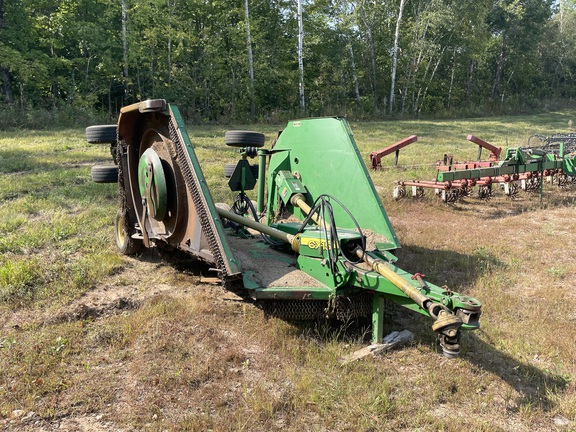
(150, 347)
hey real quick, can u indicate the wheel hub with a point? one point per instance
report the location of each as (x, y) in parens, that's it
(152, 184)
(160, 199)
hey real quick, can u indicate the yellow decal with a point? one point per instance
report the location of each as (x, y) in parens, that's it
(314, 243)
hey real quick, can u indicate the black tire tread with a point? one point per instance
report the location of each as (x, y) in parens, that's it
(238, 138)
(104, 173)
(101, 134)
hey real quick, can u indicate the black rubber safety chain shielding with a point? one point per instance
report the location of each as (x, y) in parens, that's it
(121, 191)
(192, 184)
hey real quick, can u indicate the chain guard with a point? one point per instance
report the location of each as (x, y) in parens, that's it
(343, 308)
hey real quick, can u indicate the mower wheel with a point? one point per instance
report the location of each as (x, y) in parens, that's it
(229, 170)
(238, 138)
(104, 173)
(101, 134)
(124, 242)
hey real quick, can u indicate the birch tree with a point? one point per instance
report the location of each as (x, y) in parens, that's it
(125, 45)
(395, 54)
(300, 57)
(250, 60)
(367, 20)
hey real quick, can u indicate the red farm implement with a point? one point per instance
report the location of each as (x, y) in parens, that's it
(522, 168)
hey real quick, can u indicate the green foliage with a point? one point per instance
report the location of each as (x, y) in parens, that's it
(70, 57)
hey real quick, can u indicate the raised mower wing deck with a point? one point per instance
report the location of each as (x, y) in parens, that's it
(191, 222)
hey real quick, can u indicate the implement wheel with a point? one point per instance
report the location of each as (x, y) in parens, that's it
(101, 134)
(244, 139)
(124, 242)
(104, 173)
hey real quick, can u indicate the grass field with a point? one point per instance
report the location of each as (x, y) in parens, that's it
(92, 340)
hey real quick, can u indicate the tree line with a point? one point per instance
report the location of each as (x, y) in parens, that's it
(264, 60)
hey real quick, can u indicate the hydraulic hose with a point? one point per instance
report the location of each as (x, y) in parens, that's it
(377, 265)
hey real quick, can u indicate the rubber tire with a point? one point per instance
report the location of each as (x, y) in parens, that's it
(229, 170)
(101, 134)
(236, 138)
(104, 174)
(125, 244)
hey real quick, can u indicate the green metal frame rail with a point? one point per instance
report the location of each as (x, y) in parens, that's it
(517, 161)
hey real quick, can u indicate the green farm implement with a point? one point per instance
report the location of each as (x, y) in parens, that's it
(522, 168)
(316, 243)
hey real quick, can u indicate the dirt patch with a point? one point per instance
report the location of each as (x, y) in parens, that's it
(139, 280)
(93, 423)
(372, 239)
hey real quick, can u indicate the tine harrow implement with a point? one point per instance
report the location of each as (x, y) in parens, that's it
(522, 168)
